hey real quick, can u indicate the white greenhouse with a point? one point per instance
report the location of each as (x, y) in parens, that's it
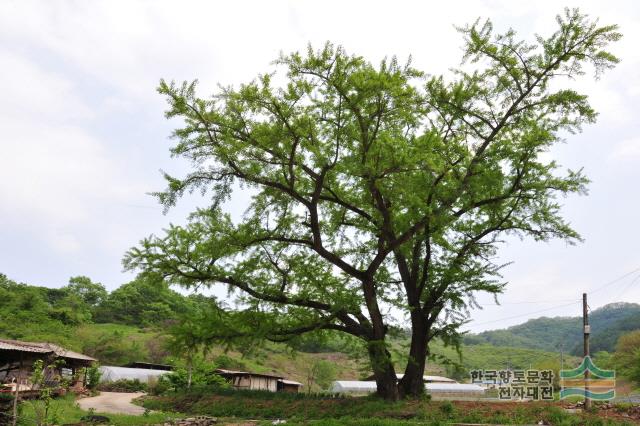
(112, 374)
(361, 387)
(353, 387)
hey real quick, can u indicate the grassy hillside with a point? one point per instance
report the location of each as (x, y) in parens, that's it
(129, 324)
(116, 344)
(551, 334)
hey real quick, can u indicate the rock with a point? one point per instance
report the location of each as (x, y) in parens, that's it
(94, 419)
(192, 421)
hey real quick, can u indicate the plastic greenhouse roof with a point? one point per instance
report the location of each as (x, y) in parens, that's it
(111, 374)
(346, 386)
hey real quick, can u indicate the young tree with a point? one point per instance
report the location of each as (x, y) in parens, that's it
(627, 355)
(376, 190)
(189, 336)
(320, 373)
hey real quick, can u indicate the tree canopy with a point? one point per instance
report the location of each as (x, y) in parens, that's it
(379, 192)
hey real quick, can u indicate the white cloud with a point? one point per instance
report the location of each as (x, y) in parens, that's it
(37, 93)
(55, 171)
(82, 134)
(627, 151)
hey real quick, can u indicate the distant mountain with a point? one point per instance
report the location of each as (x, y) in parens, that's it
(552, 334)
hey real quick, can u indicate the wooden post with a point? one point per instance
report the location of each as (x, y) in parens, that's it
(587, 331)
(17, 394)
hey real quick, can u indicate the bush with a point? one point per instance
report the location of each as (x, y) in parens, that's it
(93, 376)
(178, 379)
(225, 361)
(123, 385)
(447, 408)
(157, 386)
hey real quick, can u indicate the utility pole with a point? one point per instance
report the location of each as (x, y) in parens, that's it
(587, 331)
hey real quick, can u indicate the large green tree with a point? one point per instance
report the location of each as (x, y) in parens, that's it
(93, 294)
(145, 301)
(377, 191)
(627, 355)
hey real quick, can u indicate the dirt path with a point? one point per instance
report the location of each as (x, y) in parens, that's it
(112, 402)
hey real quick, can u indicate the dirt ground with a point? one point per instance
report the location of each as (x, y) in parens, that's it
(113, 402)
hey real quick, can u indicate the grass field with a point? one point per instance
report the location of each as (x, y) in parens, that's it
(319, 410)
(238, 407)
(65, 410)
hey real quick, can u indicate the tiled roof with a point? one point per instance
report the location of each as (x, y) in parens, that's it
(16, 345)
(65, 353)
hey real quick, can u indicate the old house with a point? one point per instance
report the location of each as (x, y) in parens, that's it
(17, 359)
(258, 381)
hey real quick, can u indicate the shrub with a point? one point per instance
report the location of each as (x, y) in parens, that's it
(225, 361)
(123, 385)
(157, 386)
(93, 375)
(178, 379)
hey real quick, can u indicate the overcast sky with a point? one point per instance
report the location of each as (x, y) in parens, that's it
(83, 136)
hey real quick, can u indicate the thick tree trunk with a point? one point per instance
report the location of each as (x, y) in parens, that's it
(383, 371)
(379, 356)
(412, 383)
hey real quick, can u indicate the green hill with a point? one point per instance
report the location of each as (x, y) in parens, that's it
(130, 324)
(552, 334)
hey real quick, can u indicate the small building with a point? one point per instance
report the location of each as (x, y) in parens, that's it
(291, 386)
(252, 381)
(17, 359)
(258, 381)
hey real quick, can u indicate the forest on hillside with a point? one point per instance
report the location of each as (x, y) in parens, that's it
(139, 321)
(608, 323)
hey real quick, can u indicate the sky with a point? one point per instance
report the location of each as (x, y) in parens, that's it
(83, 135)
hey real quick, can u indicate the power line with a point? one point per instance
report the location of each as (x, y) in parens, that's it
(527, 302)
(526, 314)
(614, 281)
(564, 305)
(624, 290)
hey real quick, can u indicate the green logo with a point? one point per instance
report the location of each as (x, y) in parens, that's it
(600, 385)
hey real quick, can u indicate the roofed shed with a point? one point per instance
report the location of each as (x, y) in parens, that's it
(252, 381)
(291, 386)
(17, 359)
